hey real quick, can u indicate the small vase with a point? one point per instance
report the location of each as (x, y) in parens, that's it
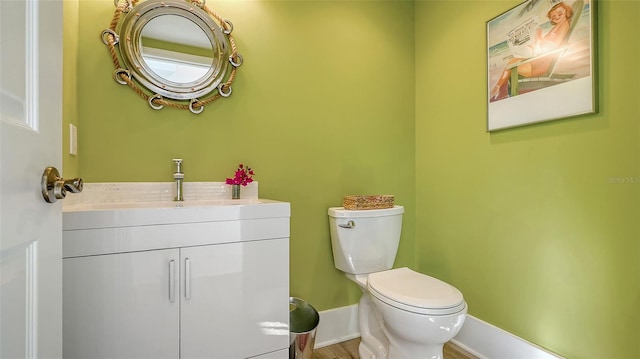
(235, 191)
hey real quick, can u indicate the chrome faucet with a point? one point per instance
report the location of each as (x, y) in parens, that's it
(178, 175)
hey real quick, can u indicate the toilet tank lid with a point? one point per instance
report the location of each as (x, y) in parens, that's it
(404, 286)
(340, 212)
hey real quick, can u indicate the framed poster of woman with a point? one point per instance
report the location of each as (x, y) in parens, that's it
(541, 66)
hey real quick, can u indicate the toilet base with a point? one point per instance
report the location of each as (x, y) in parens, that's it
(378, 341)
(373, 342)
(364, 352)
(400, 351)
(408, 351)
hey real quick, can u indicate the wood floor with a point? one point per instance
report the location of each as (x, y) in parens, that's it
(349, 350)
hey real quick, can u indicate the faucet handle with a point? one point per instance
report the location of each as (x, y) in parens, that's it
(178, 162)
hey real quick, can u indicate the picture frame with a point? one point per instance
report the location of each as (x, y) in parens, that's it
(541, 63)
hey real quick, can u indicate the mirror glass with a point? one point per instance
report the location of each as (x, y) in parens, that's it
(182, 56)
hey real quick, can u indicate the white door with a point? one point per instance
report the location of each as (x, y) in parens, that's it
(30, 140)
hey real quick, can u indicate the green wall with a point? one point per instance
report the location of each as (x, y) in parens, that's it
(70, 84)
(538, 226)
(322, 107)
(362, 97)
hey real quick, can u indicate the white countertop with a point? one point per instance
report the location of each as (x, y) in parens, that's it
(109, 205)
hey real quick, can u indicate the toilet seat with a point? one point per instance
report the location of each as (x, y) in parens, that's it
(415, 292)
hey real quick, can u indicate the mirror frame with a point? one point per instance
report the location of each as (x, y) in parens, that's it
(136, 73)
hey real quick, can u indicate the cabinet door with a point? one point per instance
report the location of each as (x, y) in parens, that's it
(120, 306)
(235, 299)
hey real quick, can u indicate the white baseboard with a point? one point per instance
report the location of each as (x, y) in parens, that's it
(488, 341)
(479, 338)
(337, 325)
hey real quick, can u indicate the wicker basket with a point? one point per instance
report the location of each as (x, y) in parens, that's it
(367, 202)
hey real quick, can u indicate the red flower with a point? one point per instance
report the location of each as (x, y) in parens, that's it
(242, 176)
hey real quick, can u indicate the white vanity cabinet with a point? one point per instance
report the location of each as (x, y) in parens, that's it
(117, 306)
(136, 288)
(244, 280)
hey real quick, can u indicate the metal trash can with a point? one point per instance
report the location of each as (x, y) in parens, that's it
(303, 321)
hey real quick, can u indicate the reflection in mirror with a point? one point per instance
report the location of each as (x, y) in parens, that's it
(178, 56)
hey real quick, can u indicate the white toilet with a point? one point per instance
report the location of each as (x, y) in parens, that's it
(402, 313)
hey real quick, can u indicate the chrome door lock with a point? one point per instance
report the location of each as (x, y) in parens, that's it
(55, 187)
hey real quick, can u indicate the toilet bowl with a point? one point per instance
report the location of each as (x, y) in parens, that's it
(402, 313)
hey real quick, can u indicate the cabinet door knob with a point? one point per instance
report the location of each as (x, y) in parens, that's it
(187, 278)
(172, 281)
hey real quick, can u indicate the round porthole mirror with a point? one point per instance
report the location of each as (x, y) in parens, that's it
(173, 52)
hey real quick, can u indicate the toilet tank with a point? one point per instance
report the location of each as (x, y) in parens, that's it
(365, 241)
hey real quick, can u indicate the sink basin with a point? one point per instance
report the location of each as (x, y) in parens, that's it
(110, 215)
(160, 204)
(109, 205)
(118, 218)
